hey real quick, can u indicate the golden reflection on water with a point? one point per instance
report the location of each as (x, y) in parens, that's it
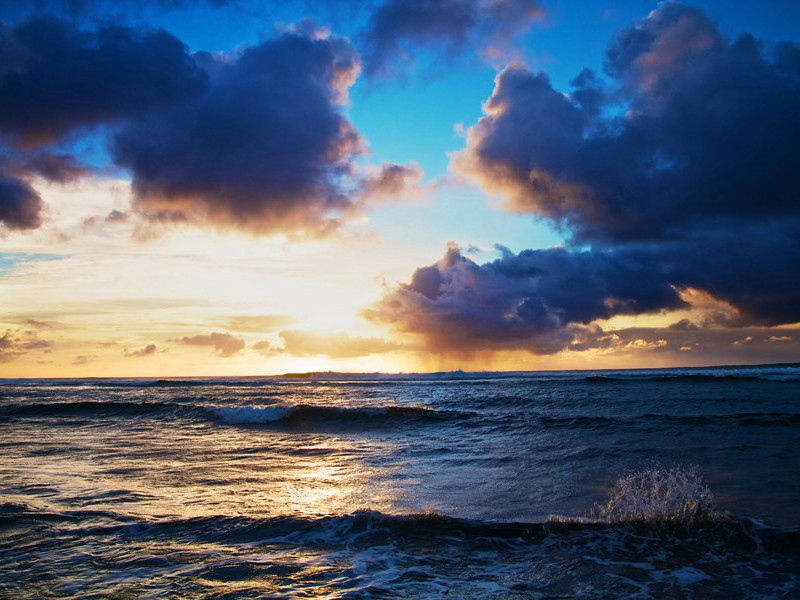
(250, 471)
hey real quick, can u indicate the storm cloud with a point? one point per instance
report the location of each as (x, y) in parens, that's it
(20, 204)
(529, 300)
(396, 29)
(56, 77)
(254, 140)
(265, 148)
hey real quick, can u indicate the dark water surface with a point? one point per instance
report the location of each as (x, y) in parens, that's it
(449, 485)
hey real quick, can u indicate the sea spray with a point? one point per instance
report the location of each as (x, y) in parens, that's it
(658, 495)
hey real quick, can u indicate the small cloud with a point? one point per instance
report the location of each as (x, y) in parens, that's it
(266, 349)
(83, 359)
(641, 344)
(780, 338)
(117, 216)
(15, 343)
(223, 343)
(683, 325)
(36, 324)
(745, 340)
(148, 350)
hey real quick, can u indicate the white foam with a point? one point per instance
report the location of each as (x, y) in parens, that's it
(251, 414)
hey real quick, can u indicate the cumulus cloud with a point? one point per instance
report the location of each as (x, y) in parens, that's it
(55, 77)
(332, 345)
(224, 344)
(265, 148)
(540, 299)
(254, 140)
(147, 350)
(692, 128)
(530, 300)
(396, 29)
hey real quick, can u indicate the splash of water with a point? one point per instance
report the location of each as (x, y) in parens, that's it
(658, 495)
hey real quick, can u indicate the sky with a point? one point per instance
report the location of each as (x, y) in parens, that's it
(231, 187)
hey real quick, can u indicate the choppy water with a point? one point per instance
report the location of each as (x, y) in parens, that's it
(451, 485)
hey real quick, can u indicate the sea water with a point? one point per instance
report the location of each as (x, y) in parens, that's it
(665, 483)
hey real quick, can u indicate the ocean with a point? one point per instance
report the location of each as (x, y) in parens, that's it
(649, 483)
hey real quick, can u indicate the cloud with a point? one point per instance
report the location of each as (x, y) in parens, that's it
(55, 77)
(264, 348)
(692, 129)
(530, 300)
(333, 345)
(258, 323)
(223, 343)
(677, 184)
(83, 359)
(15, 343)
(390, 181)
(265, 148)
(713, 344)
(398, 29)
(540, 299)
(20, 205)
(148, 350)
(58, 168)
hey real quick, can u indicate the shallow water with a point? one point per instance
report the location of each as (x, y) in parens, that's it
(395, 486)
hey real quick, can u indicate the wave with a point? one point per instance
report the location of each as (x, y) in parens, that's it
(86, 407)
(690, 378)
(297, 416)
(369, 527)
(305, 414)
(756, 419)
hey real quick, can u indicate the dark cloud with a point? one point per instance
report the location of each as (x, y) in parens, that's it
(332, 345)
(55, 77)
(148, 350)
(20, 205)
(265, 148)
(535, 299)
(530, 300)
(59, 168)
(693, 128)
(397, 28)
(223, 343)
